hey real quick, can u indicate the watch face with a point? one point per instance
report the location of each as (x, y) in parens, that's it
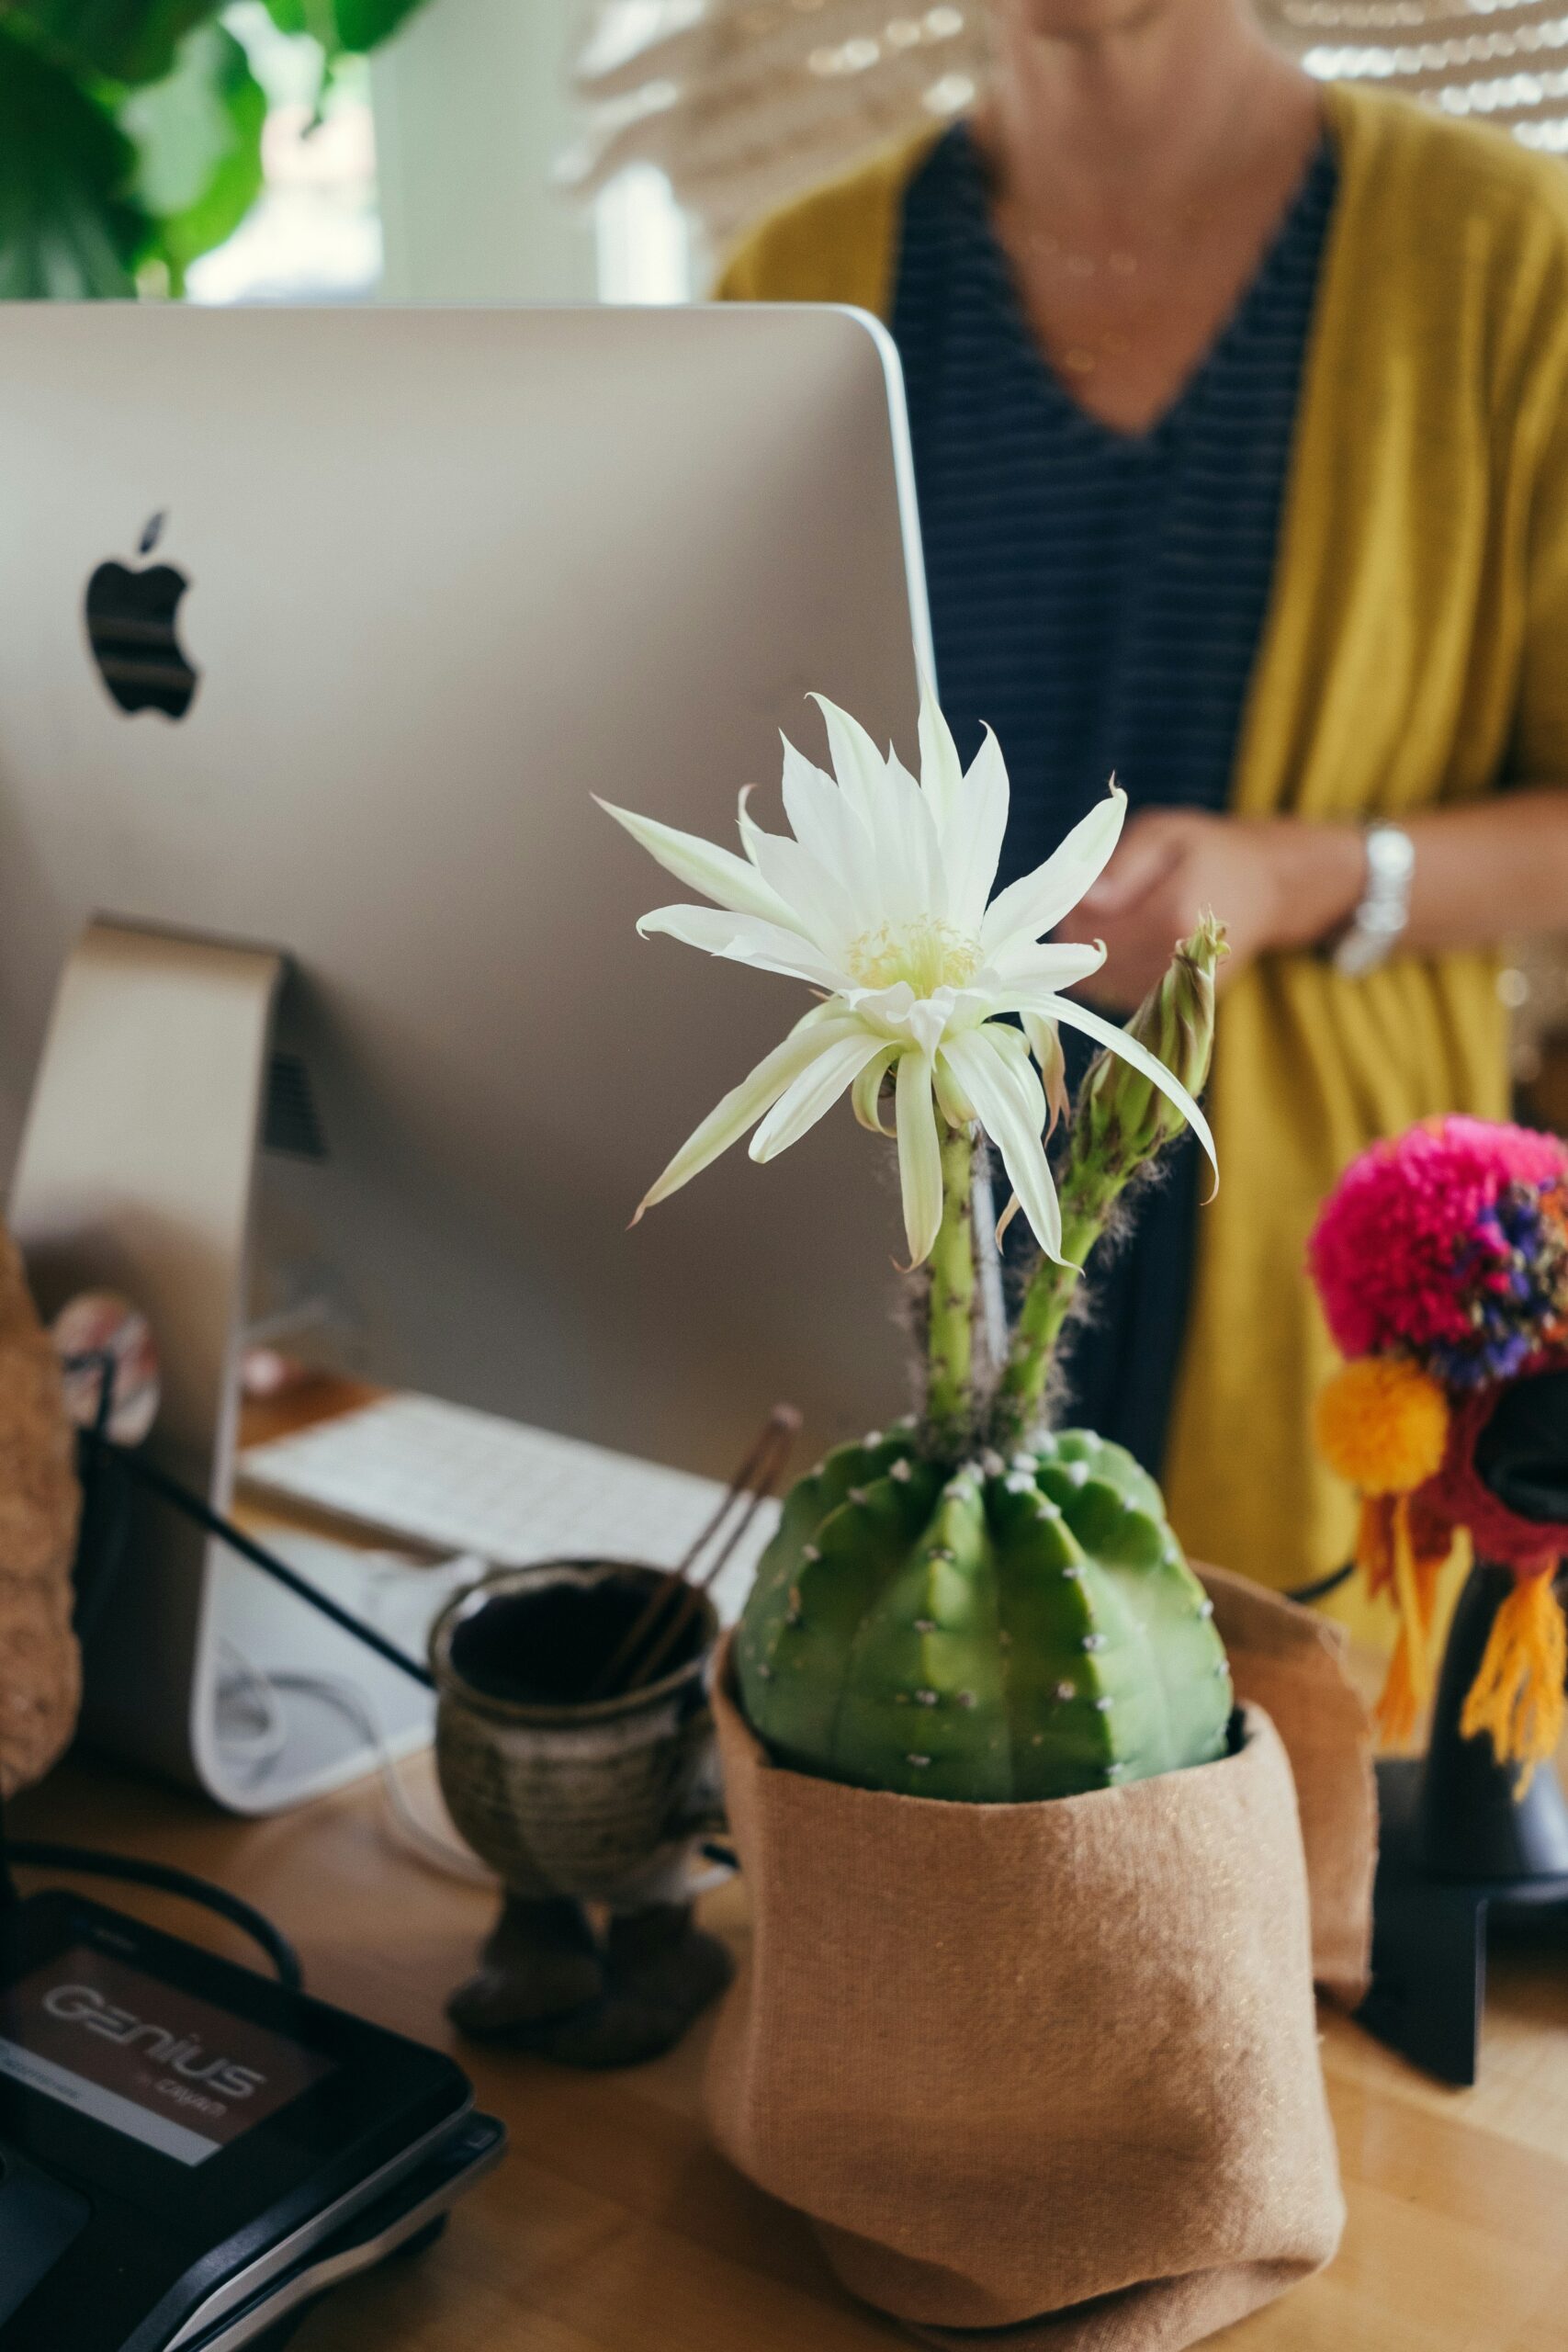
(1390, 857)
(146, 2058)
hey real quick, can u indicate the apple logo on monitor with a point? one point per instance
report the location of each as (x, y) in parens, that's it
(132, 614)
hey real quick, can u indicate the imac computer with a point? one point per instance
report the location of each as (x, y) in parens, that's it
(321, 1006)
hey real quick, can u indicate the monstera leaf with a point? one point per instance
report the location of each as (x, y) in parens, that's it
(365, 24)
(123, 40)
(69, 227)
(198, 139)
(131, 133)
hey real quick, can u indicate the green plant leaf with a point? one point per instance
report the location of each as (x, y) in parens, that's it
(68, 228)
(312, 16)
(198, 140)
(128, 40)
(365, 24)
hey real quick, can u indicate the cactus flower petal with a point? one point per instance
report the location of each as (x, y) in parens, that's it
(742, 939)
(1027, 910)
(951, 1101)
(973, 840)
(1054, 965)
(823, 820)
(744, 1105)
(857, 763)
(941, 771)
(920, 1155)
(717, 873)
(1045, 1045)
(813, 1093)
(1012, 1107)
(865, 1095)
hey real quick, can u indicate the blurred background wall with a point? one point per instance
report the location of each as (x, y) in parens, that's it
(471, 104)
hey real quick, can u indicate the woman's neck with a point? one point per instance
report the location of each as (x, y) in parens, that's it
(1099, 110)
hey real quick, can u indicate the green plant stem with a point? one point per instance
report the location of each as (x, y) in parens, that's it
(951, 1311)
(1088, 1199)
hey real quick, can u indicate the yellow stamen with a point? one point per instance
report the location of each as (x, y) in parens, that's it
(929, 953)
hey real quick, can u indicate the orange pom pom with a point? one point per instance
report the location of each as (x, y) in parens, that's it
(1382, 1424)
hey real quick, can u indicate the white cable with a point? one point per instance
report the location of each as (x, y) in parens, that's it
(257, 1753)
(254, 1752)
(436, 1851)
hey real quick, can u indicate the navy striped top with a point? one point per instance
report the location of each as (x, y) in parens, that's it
(1098, 598)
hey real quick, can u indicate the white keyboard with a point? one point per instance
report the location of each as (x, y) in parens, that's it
(412, 1468)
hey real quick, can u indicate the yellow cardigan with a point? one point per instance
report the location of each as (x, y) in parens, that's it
(1414, 652)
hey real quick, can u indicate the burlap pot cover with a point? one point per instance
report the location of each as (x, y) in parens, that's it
(1290, 1662)
(1048, 2067)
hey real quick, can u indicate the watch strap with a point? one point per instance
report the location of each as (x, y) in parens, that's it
(1380, 920)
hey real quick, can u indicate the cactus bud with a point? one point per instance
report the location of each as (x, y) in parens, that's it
(1122, 1119)
(1119, 1122)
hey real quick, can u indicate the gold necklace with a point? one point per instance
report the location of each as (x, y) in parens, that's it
(1122, 270)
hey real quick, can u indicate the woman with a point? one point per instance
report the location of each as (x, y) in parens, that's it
(1239, 408)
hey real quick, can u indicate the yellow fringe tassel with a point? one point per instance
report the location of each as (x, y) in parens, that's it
(1518, 1695)
(1409, 1683)
(1386, 1555)
(1398, 1706)
(1374, 1541)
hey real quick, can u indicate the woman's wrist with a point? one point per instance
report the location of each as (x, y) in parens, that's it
(1320, 875)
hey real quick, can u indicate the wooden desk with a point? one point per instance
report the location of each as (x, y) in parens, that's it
(612, 2226)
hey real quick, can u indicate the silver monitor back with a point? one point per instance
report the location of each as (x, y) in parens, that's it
(450, 573)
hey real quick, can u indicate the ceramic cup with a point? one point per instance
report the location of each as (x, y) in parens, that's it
(597, 1800)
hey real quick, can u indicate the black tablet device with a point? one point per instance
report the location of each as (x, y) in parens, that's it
(174, 2129)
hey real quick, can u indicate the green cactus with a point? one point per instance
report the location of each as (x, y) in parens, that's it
(1012, 1631)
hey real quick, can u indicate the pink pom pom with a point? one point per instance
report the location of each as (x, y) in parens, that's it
(1409, 1234)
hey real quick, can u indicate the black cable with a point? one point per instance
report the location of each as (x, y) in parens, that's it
(212, 1522)
(1305, 1594)
(8, 1895)
(106, 1496)
(43, 1854)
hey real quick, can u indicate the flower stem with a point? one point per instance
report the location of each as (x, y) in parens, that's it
(1088, 1198)
(951, 1311)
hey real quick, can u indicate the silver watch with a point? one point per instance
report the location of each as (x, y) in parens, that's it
(1373, 931)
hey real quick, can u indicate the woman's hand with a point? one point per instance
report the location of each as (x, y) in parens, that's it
(1272, 882)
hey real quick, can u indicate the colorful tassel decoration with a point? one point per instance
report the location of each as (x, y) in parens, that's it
(1441, 1259)
(1383, 1425)
(1517, 1696)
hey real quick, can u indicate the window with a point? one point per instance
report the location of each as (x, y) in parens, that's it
(314, 233)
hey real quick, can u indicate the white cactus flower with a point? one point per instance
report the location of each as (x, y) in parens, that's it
(881, 902)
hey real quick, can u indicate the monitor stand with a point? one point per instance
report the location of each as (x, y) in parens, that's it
(136, 1174)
